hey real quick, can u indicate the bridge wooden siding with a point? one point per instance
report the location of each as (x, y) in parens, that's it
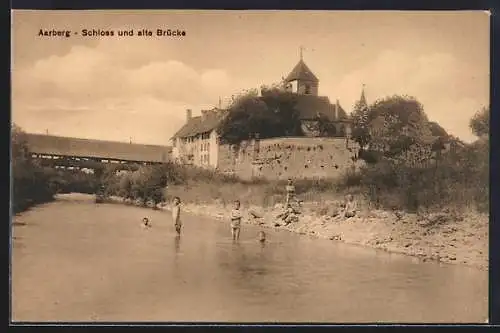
(51, 145)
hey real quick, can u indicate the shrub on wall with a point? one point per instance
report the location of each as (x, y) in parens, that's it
(271, 115)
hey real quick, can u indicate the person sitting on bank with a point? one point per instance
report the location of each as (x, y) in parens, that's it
(351, 206)
(290, 192)
(289, 215)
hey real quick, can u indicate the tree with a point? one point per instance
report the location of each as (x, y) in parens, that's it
(480, 123)
(360, 124)
(281, 110)
(19, 147)
(31, 183)
(271, 115)
(437, 130)
(401, 114)
(390, 126)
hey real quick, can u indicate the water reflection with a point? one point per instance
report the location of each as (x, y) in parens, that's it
(177, 244)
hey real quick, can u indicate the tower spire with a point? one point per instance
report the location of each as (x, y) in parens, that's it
(301, 48)
(362, 99)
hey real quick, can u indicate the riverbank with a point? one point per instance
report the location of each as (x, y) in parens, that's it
(449, 236)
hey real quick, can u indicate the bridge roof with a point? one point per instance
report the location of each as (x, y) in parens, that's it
(58, 145)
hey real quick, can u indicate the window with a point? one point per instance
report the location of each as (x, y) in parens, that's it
(307, 89)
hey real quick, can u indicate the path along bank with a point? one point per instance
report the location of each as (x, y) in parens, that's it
(449, 237)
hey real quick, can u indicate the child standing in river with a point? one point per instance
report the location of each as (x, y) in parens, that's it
(176, 215)
(236, 220)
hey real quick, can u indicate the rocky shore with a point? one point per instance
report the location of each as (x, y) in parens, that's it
(448, 236)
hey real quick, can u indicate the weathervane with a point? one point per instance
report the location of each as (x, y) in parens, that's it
(301, 48)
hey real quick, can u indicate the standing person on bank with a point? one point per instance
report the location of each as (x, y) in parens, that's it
(290, 192)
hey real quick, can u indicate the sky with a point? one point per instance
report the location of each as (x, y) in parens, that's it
(138, 88)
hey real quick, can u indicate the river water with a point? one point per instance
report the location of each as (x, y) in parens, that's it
(73, 260)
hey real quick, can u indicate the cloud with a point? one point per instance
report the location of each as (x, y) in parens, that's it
(144, 118)
(104, 93)
(439, 81)
(115, 89)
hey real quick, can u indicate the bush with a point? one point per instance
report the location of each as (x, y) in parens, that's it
(31, 183)
(456, 179)
(145, 184)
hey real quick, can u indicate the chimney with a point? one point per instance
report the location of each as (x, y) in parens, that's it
(189, 114)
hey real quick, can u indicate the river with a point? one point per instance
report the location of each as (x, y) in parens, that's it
(73, 260)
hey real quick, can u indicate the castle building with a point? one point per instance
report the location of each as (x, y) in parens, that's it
(302, 82)
(197, 142)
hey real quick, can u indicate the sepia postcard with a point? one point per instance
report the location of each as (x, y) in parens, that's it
(250, 166)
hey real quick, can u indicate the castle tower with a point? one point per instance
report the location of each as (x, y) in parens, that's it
(361, 108)
(362, 99)
(302, 79)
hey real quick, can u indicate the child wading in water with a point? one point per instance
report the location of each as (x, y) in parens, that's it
(176, 215)
(236, 220)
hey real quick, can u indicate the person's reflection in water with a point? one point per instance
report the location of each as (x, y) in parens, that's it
(177, 243)
(262, 240)
(236, 245)
(176, 269)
